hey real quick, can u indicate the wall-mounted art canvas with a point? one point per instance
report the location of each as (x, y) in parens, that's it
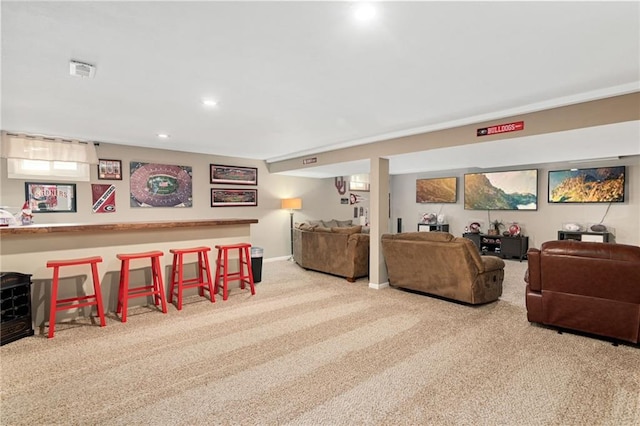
(437, 190)
(160, 185)
(511, 190)
(595, 185)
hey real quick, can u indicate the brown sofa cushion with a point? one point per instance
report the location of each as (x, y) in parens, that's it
(330, 223)
(347, 230)
(307, 227)
(321, 229)
(343, 223)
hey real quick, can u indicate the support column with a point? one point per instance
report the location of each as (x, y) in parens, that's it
(379, 221)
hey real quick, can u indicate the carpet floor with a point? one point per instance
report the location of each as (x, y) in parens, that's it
(312, 349)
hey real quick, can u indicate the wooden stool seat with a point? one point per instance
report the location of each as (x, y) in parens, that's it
(244, 273)
(155, 288)
(203, 280)
(74, 302)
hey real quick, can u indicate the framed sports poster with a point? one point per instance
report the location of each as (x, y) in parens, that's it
(51, 197)
(233, 175)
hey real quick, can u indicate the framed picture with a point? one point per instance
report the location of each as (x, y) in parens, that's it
(233, 197)
(160, 185)
(510, 190)
(110, 169)
(594, 185)
(51, 197)
(233, 175)
(437, 190)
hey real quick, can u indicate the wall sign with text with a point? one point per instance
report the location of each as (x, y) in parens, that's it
(501, 128)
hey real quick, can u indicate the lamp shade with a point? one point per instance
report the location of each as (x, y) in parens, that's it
(292, 203)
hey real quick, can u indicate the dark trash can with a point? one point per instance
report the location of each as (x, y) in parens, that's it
(256, 263)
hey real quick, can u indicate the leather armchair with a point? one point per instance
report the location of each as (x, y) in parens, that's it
(585, 286)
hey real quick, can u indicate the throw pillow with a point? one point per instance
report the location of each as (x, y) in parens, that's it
(343, 223)
(307, 227)
(330, 223)
(347, 230)
(321, 229)
(316, 223)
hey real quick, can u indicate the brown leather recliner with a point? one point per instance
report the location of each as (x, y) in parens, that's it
(585, 286)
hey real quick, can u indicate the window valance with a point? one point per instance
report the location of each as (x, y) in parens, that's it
(28, 148)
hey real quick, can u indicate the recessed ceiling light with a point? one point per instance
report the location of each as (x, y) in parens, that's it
(209, 102)
(364, 12)
(163, 135)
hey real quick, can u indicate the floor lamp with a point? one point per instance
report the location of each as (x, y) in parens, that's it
(291, 204)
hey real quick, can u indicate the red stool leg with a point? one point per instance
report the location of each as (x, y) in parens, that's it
(180, 267)
(247, 264)
(201, 272)
(216, 283)
(241, 274)
(54, 302)
(98, 293)
(173, 278)
(120, 289)
(207, 270)
(123, 290)
(225, 274)
(157, 283)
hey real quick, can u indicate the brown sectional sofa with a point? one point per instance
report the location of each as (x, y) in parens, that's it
(440, 264)
(585, 286)
(341, 250)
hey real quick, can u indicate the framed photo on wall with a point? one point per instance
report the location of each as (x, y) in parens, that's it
(233, 197)
(109, 169)
(51, 197)
(233, 175)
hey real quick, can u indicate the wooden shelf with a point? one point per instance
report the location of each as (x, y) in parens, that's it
(125, 226)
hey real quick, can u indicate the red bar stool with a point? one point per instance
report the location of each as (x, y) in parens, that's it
(244, 274)
(74, 302)
(155, 288)
(178, 283)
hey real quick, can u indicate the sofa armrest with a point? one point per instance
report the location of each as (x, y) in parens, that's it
(533, 276)
(492, 263)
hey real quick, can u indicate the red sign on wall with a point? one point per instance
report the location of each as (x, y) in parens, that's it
(501, 128)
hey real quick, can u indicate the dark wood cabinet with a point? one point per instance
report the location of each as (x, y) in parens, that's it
(15, 295)
(499, 245)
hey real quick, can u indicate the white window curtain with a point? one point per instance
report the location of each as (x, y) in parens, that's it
(30, 157)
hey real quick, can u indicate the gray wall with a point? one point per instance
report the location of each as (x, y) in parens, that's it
(540, 225)
(321, 200)
(271, 233)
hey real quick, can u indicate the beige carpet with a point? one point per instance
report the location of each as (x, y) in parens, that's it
(313, 349)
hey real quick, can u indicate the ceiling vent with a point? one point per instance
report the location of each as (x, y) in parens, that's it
(80, 69)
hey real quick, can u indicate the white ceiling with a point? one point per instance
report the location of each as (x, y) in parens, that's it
(294, 78)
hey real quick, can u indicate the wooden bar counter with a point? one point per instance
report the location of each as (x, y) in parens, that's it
(27, 249)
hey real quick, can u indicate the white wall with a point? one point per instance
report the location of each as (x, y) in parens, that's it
(320, 198)
(541, 225)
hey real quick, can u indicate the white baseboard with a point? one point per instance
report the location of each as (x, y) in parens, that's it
(379, 286)
(275, 259)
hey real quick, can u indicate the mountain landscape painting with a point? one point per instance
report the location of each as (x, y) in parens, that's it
(436, 190)
(596, 185)
(512, 190)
